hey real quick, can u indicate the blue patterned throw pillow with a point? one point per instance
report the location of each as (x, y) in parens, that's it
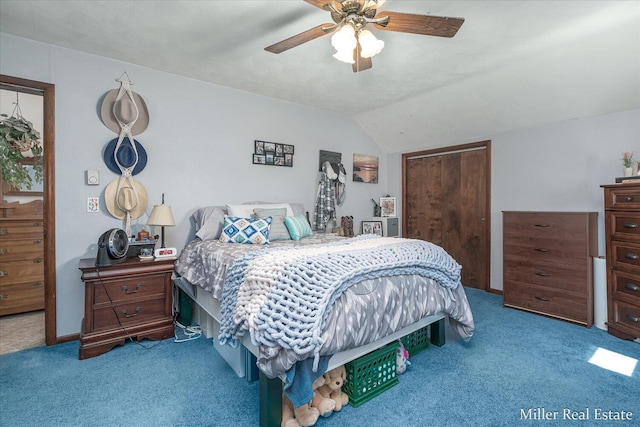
(246, 230)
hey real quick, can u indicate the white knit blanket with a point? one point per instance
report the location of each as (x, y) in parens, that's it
(283, 296)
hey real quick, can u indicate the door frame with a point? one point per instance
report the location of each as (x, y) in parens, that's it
(49, 195)
(480, 145)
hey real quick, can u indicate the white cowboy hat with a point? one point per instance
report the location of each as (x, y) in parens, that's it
(130, 197)
(126, 111)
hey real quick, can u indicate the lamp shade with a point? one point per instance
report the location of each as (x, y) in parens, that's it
(369, 44)
(161, 215)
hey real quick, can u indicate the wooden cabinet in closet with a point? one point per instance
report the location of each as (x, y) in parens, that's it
(548, 266)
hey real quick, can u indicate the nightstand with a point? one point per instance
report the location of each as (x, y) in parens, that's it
(123, 301)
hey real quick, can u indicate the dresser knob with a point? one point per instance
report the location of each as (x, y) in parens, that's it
(4, 251)
(37, 242)
(542, 274)
(541, 225)
(3, 231)
(542, 250)
(37, 260)
(631, 256)
(4, 296)
(4, 273)
(543, 299)
(127, 315)
(633, 318)
(632, 287)
(630, 225)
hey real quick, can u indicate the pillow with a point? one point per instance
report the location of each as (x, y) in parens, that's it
(209, 222)
(246, 211)
(278, 230)
(245, 230)
(298, 227)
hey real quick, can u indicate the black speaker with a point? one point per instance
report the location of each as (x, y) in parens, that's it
(112, 247)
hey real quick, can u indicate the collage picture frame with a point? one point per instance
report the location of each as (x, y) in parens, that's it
(273, 153)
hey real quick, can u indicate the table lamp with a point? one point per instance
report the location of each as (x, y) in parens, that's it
(161, 215)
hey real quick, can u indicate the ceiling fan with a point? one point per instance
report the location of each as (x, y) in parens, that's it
(354, 43)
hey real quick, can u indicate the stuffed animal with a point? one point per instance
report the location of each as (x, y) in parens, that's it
(325, 405)
(402, 359)
(332, 387)
(303, 416)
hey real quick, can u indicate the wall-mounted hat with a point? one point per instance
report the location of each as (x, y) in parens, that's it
(126, 109)
(126, 156)
(124, 195)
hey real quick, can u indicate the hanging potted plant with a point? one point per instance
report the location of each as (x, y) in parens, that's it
(19, 141)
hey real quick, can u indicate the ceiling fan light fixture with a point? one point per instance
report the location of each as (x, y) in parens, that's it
(345, 55)
(345, 38)
(370, 46)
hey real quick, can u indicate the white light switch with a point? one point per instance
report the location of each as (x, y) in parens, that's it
(93, 177)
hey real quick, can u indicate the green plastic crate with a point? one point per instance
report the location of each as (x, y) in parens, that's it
(416, 341)
(371, 374)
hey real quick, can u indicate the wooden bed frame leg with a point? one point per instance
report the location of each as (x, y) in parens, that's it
(270, 401)
(437, 333)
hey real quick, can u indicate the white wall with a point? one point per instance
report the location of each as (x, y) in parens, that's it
(199, 144)
(559, 167)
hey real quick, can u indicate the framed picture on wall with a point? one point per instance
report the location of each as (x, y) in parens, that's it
(388, 206)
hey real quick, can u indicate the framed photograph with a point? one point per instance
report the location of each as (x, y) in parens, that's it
(272, 153)
(372, 227)
(387, 206)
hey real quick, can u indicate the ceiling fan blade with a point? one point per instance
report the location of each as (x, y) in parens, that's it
(303, 37)
(420, 24)
(360, 63)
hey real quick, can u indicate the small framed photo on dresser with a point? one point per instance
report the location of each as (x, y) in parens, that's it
(388, 206)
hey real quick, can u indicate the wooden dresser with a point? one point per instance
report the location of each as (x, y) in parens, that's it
(622, 234)
(123, 301)
(21, 258)
(548, 266)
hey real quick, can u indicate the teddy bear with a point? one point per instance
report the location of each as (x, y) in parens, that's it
(306, 415)
(303, 416)
(332, 387)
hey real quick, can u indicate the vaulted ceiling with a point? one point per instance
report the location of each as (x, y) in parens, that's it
(512, 65)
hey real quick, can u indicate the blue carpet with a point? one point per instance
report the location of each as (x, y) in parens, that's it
(515, 362)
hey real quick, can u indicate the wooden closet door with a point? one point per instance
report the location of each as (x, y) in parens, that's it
(446, 201)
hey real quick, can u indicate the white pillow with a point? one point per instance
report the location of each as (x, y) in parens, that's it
(246, 211)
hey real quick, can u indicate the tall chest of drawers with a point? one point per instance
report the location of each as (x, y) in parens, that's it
(547, 263)
(21, 265)
(622, 233)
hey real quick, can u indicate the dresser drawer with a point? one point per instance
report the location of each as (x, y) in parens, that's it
(544, 300)
(627, 198)
(21, 297)
(626, 317)
(624, 225)
(22, 271)
(558, 226)
(11, 230)
(545, 250)
(626, 255)
(127, 314)
(626, 286)
(11, 250)
(569, 277)
(129, 288)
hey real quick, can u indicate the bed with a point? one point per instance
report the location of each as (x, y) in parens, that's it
(312, 300)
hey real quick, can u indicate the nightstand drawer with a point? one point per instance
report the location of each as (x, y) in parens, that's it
(129, 289)
(125, 314)
(539, 299)
(626, 317)
(626, 286)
